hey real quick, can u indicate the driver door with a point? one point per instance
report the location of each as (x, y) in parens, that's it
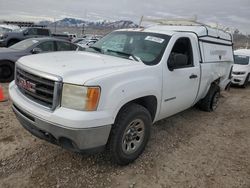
(180, 85)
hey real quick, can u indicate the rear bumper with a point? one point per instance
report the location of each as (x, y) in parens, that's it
(86, 140)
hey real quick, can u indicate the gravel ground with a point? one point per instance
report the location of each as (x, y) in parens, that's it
(190, 149)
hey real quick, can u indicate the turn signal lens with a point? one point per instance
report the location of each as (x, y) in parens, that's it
(93, 95)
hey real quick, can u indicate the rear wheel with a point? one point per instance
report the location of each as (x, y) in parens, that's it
(130, 134)
(6, 71)
(211, 100)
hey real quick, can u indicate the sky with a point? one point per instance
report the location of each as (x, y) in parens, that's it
(229, 13)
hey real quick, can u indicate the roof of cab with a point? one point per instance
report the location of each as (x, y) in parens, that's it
(200, 30)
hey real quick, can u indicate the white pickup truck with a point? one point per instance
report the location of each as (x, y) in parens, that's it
(241, 67)
(108, 96)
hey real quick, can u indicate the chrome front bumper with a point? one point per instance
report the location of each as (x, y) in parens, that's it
(86, 140)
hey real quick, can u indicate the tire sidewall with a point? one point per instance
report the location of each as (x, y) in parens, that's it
(122, 125)
(10, 65)
(215, 92)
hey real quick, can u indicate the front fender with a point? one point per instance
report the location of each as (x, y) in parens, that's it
(120, 88)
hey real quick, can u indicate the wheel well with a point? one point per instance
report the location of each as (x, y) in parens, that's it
(149, 102)
(11, 40)
(216, 82)
(8, 61)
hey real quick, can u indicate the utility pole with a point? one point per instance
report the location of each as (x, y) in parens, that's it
(247, 44)
(83, 29)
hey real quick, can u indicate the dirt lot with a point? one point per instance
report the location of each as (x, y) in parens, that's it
(191, 149)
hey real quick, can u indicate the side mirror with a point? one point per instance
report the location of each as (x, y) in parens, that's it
(36, 51)
(177, 60)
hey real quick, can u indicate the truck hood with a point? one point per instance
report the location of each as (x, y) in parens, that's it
(240, 68)
(77, 67)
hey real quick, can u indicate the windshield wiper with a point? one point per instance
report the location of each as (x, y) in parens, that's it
(126, 54)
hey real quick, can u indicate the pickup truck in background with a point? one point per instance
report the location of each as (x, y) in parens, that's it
(108, 96)
(241, 67)
(12, 37)
(9, 38)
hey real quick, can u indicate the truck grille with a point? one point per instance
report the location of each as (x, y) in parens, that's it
(38, 89)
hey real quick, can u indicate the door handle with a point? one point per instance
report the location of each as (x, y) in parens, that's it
(193, 76)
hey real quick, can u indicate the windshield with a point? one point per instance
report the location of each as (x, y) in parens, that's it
(23, 45)
(147, 47)
(18, 30)
(241, 59)
(4, 30)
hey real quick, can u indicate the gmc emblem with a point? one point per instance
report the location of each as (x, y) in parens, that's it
(27, 85)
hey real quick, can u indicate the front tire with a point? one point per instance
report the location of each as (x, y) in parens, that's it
(6, 71)
(130, 134)
(210, 102)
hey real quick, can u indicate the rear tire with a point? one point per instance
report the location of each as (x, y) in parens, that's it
(6, 71)
(130, 134)
(210, 102)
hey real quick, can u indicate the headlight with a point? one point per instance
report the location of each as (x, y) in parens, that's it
(239, 73)
(80, 97)
(3, 36)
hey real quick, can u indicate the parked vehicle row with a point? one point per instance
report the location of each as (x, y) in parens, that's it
(87, 40)
(10, 35)
(241, 68)
(108, 96)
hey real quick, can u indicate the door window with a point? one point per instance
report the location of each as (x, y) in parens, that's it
(47, 46)
(32, 31)
(65, 46)
(183, 48)
(44, 32)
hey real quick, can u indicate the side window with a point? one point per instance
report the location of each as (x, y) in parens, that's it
(43, 32)
(73, 47)
(32, 31)
(181, 55)
(47, 46)
(64, 46)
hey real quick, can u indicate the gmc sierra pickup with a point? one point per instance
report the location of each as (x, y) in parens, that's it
(108, 96)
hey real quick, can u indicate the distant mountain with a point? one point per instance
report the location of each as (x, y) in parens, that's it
(72, 22)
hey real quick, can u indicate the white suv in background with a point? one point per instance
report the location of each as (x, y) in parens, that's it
(241, 67)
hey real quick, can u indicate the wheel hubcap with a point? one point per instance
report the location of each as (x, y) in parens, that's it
(133, 136)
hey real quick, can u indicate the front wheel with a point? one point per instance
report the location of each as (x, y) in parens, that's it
(6, 71)
(130, 134)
